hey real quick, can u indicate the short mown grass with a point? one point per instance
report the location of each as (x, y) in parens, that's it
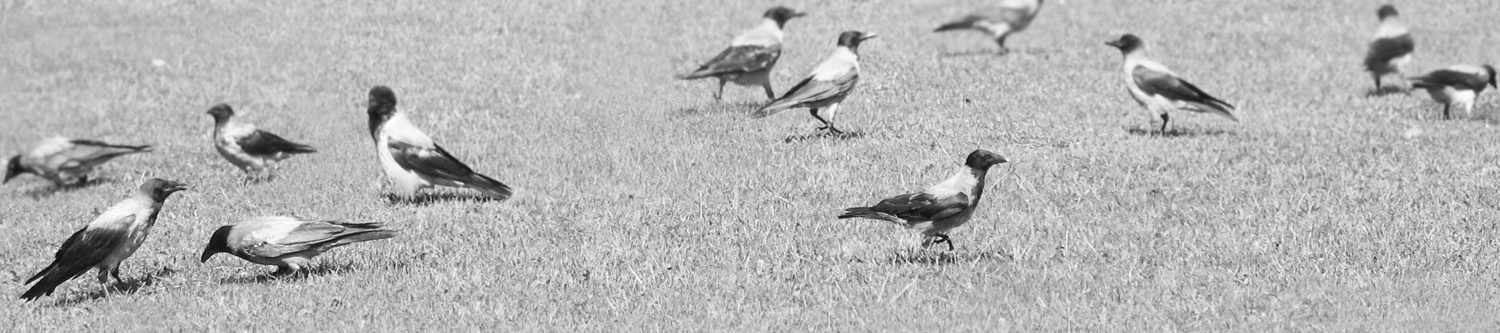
(645, 205)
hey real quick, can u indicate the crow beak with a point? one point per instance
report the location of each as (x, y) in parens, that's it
(174, 187)
(799, 14)
(1115, 44)
(868, 37)
(206, 254)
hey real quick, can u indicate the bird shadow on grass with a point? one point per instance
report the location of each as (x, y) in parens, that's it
(321, 269)
(125, 287)
(48, 191)
(821, 134)
(929, 257)
(424, 199)
(1176, 132)
(1386, 91)
(718, 107)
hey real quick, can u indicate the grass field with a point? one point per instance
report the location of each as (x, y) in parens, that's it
(643, 204)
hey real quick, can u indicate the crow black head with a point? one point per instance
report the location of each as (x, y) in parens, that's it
(221, 112)
(851, 39)
(983, 159)
(782, 14)
(1387, 11)
(1127, 43)
(159, 189)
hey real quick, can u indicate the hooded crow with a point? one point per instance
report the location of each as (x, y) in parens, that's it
(750, 57)
(1457, 85)
(66, 161)
(412, 160)
(247, 147)
(939, 208)
(1392, 47)
(1010, 17)
(288, 243)
(1158, 89)
(106, 241)
(826, 86)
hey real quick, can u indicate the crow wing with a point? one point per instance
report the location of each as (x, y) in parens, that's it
(738, 60)
(316, 236)
(811, 90)
(916, 207)
(1384, 49)
(91, 153)
(431, 161)
(1449, 78)
(260, 142)
(86, 248)
(307, 235)
(1155, 82)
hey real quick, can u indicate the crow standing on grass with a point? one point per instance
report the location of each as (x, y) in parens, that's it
(1158, 89)
(411, 160)
(939, 208)
(826, 86)
(252, 150)
(66, 161)
(1010, 17)
(106, 241)
(1457, 85)
(1392, 47)
(750, 57)
(288, 243)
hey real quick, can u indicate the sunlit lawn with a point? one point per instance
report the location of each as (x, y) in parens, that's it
(643, 204)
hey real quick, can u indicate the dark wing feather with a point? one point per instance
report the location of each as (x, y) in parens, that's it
(434, 162)
(312, 235)
(737, 60)
(1449, 78)
(810, 91)
(82, 251)
(1165, 84)
(265, 143)
(308, 235)
(964, 23)
(89, 152)
(100, 144)
(916, 207)
(1384, 49)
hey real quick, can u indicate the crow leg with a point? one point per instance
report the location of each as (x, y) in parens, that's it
(1164, 120)
(719, 96)
(826, 124)
(945, 239)
(938, 238)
